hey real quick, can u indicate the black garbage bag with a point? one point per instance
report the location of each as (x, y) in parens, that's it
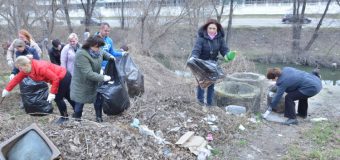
(34, 97)
(132, 75)
(205, 71)
(115, 98)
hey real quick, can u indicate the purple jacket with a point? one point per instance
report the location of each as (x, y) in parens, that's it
(67, 57)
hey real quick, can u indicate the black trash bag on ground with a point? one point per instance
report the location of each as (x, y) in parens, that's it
(34, 97)
(131, 75)
(115, 98)
(206, 72)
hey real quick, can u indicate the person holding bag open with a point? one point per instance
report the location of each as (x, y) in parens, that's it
(210, 41)
(86, 76)
(39, 70)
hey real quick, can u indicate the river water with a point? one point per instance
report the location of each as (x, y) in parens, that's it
(328, 76)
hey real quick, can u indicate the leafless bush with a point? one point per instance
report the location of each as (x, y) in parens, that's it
(240, 64)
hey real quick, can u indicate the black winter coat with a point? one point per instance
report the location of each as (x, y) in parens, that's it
(206, 48)
(55, 55)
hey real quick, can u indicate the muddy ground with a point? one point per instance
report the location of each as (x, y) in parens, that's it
(169, 103)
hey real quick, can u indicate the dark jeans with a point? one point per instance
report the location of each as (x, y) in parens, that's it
(290, 104)
(78, 111)
(210, 94)
(64, 92)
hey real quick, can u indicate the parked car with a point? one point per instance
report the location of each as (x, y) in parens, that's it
(290, 18)
(92, 22)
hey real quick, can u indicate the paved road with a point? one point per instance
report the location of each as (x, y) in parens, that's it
(276, 22)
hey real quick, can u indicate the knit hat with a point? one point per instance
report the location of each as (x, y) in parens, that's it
(56, 43)
(19, 43)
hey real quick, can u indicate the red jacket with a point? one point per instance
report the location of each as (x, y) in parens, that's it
(41, 71)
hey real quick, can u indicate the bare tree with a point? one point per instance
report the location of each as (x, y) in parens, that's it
(297, 25)
(26, 14)
(316, 31)
(230, 22)
(122, 18)
(88, 8)
(194, 10)
(67, 15)
(218, 13)
(10, 12)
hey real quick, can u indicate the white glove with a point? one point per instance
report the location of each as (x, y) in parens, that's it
(5, 93)
(107, 78)
(11, 76)
(50, 97)
(30, 56)
(125, 53)
(113, 58)
(265, 114)
(10, 63)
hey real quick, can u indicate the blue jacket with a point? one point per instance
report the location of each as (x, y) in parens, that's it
(109, 48)
(292, 79)
(206, 48)
(27, 50)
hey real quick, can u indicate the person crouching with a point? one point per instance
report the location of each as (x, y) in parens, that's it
(45, 71)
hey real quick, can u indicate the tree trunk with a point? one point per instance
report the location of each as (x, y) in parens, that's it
(142, 32)
(316, 31)
(297, 27)
(230, 22)
(88, 10)
(218, 14)
(67, 16)
(122, 20)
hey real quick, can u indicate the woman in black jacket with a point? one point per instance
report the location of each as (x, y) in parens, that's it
(210, 41)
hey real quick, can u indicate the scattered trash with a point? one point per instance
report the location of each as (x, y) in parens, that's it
(209, 137)
(241, 127)
(211, 120)
(31, 141)
(235, 110)
(280, 135)
(275, 117)
(189, 120)
(144, 130)
(196, 144)
(135, 123)
(175, 129)
(214, 128)
(203, 154)
(167, 152)
(185, 137)
(253, 120)
(318, 119)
